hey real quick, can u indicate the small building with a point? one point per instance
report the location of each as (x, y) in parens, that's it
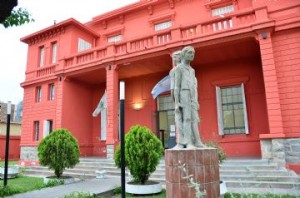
(247, 64)
(15, 134)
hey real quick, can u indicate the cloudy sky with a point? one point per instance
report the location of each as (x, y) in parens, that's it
(14, 53)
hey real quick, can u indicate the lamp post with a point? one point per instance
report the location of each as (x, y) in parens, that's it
(122, 137)
(7, 141)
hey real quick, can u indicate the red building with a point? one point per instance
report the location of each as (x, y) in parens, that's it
(247, 64)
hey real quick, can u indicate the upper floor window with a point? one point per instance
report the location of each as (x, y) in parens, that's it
(232, 111)
(83, 45)
(38, 94)
(41, 56)
(115, 38)
(163, 25)
(54, 52)
(51, 92)
(36, 130)
(222, 10)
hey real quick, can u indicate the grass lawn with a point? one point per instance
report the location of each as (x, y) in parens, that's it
(23, 184)
(10, 163)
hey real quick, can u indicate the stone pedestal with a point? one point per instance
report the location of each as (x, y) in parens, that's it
(202, 164)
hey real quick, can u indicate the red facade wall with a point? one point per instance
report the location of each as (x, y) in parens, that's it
(14, 147)
(232, 73)
(286, 46)
(99, 146)
(138, 91)
(36, 111)
(77, 113)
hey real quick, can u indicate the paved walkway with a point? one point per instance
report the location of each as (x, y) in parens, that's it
(93, 186)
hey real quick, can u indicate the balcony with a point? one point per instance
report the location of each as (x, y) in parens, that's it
(235, 23)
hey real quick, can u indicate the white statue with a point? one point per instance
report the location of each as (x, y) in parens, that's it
(186, 101)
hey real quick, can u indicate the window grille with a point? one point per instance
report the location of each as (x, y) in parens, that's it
(38, 94)
(232, 111)
(222, 10)
(51, 91)
(42, 56)
(36, 130)
(83, 45)
(54, 52)
(163, 25)
(114, 38)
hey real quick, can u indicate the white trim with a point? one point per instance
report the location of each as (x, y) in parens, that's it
(245, 110)
(219, 110)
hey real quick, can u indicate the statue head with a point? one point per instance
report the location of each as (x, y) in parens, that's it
(176, 57)
(188, 53)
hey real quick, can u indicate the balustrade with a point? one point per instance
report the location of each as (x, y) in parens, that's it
(201, 29)
(45, 71)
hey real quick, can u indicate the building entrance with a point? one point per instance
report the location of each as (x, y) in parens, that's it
(166, 120)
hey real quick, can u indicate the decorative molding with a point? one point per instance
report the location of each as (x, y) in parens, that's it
(170, 15)
(46, 35)
(171, 4)
(209, 4)
(104, 23)
(112, 67)
(116, 30)
(150, 10)
(121, 17)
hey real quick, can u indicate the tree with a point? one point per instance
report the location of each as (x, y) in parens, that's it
(10, 17)
(59, 151)
(142, 153)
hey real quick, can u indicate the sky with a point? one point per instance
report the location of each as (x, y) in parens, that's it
(13, 54)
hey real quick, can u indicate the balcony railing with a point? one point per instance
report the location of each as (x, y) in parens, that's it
(45, 71)
(215, 25)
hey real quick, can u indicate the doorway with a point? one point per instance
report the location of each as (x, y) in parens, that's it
(166, 120)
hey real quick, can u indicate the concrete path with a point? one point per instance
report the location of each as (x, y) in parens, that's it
(93, 186)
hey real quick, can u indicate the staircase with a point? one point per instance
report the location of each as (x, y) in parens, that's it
(247, 175)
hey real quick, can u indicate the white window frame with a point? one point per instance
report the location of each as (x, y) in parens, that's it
(38, 93)
(54, 53)
(42, 56)
(36, 130)
(51, 91)
(114, 38)
(220, 111)
(163, 25)
(83, 45)
(46, 129)
(222, 10)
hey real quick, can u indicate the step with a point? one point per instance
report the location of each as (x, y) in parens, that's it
(262, 184)
(283, 172)
(260, 178)
(250, 168)
(245, 161)
(276, 191)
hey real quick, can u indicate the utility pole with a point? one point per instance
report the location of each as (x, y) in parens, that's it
(7, 141)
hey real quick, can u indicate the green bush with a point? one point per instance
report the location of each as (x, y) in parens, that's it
(221, 153)
(143, 151)
(59, 151)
